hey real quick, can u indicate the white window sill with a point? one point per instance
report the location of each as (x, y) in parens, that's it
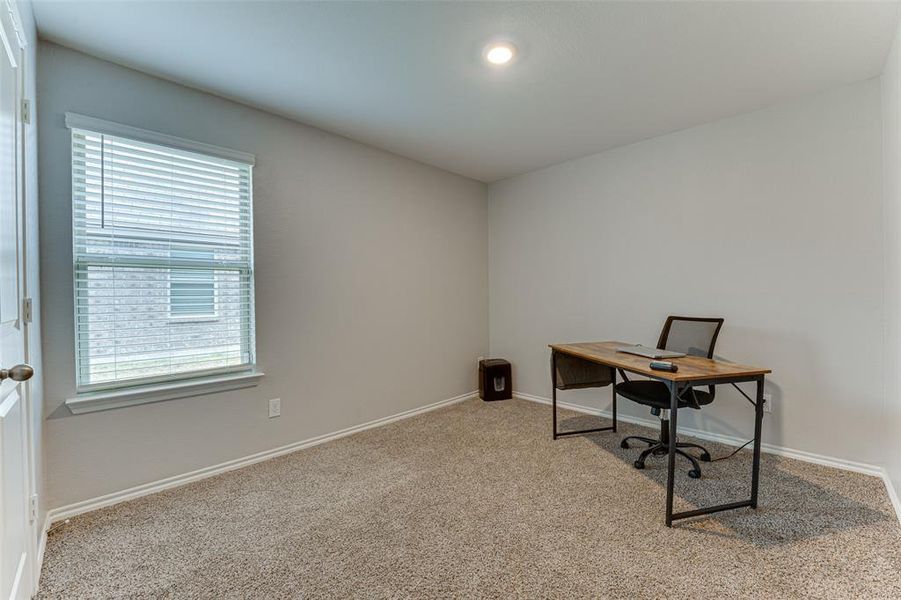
(145, 394)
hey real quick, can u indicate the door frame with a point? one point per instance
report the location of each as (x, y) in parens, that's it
(15, 41)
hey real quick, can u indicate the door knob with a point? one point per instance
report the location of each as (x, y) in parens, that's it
(17, 373)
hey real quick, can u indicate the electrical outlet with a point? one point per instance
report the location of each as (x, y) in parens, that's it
(767, 403)
(275, 407)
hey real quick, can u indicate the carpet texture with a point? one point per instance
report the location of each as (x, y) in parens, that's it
(476, 500)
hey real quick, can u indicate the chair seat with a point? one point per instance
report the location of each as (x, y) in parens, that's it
(656, 394)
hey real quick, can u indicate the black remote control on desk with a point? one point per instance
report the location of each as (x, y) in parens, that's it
(662, 365)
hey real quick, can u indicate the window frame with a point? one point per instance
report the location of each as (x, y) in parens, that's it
(99, 394)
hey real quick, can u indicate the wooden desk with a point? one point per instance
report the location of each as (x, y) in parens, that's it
(693, 371)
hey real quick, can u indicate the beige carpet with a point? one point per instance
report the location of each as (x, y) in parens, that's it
(476, 500)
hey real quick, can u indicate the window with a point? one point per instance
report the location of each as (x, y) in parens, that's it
(192, 294)
(163, 259)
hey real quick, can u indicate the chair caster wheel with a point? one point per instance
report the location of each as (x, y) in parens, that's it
(624, 445)
(694, 474)
(638, 464)
(705, 457)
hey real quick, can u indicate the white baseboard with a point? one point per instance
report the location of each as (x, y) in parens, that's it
(71, 510)
(42, 542)
(892, 494)
(42, 545)
(828, 461)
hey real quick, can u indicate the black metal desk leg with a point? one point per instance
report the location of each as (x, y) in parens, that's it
(554, 389)
(755, 469)
(758, 423)
(671, 466)
(613, 389)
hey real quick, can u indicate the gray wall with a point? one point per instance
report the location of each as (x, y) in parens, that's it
(772, 219)
(371, 285)
(891, 114)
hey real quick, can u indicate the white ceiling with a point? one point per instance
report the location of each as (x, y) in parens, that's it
(409, 77)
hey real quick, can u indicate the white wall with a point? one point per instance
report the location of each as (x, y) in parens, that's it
(891, 114)
(371, 285)
(772, 219)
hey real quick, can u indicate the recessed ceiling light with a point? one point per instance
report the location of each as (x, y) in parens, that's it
(500, 53)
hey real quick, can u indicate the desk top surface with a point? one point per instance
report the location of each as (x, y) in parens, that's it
(690, 367)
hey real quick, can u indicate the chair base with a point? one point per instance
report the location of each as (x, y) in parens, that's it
(661, 447)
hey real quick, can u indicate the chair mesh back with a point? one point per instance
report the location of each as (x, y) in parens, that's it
(695, 337)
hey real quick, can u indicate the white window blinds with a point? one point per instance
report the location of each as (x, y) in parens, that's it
(163, 262)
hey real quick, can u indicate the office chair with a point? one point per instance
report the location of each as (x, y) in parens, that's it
(695, 337)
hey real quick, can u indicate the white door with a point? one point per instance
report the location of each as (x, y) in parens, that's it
(16, 537)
